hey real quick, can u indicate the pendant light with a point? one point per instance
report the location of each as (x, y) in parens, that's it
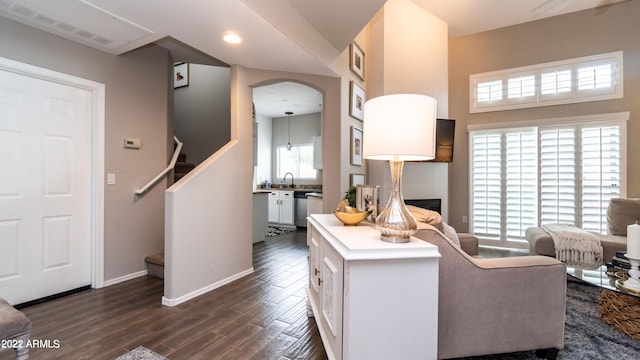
(289, 113)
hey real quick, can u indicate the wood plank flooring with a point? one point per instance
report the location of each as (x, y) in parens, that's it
(261, 316)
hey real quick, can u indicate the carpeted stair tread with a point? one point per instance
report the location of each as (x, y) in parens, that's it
(157, 259)
(155, 265)
(184, 167)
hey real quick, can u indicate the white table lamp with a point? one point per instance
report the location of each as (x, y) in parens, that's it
(398, 128)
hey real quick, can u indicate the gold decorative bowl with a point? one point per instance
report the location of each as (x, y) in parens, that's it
(351, 216)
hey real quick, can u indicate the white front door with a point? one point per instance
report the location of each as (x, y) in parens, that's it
(45, 187)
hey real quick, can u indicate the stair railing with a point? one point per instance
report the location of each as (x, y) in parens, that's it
(164, 172)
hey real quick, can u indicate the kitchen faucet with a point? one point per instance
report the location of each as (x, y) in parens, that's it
(284, 179)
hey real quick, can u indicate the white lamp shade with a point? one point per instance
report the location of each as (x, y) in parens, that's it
(401, 127)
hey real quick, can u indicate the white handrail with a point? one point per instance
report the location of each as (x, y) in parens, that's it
(164, 172)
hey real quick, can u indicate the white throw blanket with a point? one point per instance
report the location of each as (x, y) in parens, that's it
(574, 246)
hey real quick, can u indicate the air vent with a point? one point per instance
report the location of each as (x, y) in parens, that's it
(76, 20)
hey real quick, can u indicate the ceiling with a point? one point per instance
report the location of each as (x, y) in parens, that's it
(466, 17)
(274, 100)
(298, 36)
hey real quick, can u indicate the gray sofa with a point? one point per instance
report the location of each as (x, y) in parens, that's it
(493, 306)
(620, 213)
(500, 305)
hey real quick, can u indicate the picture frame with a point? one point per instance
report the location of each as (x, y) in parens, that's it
(180, 75)
(357, 179)
(368, 198)
(357, 99)
(356, 60)
(356, 146)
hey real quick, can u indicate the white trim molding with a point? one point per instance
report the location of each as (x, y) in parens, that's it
(177, 301)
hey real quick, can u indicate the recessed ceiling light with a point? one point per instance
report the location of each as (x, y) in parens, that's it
(231, 37)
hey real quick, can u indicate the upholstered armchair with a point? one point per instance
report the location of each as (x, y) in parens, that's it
(500, 305)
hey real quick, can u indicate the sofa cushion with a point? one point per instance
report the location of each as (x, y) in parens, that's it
(450, 232)
(621, 213)
(426, 216)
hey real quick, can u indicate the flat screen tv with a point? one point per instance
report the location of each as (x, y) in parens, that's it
(445, 130)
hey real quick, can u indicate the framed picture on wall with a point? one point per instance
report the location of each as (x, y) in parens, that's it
(356, 146)
(357, 179)
(356, 58)
(368, 198)
(180, 75)
(356, 101)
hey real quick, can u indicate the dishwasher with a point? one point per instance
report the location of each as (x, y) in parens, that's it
(300, 198)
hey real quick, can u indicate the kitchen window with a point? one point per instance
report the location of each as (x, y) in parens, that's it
(298, 161)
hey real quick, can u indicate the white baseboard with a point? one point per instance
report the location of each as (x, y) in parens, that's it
(124, 278)
(173, 302)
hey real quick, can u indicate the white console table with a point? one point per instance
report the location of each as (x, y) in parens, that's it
(372, 299)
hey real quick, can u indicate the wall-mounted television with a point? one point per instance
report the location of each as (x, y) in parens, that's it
(445, 130)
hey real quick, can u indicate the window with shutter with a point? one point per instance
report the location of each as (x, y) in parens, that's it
(551, 173)
(589, 78)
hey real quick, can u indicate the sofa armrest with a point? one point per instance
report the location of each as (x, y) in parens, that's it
(468, 243)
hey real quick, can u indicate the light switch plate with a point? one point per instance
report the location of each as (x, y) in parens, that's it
(131, 143)
(111, 179)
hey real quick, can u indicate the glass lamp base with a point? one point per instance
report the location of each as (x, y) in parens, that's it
(395, 222)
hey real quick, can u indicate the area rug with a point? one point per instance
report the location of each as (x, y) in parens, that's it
(585, 335)
(279, 230)
(141, 353)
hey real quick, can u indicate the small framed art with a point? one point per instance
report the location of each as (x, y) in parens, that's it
(368, 198)
(356, 146)
(180, 75)
(357, 179)
(356, 58)
(356, 101)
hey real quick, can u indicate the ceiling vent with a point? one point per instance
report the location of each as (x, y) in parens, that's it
(77, 20)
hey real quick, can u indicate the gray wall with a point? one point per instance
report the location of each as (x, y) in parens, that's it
(137, 95)
(202, 111)
(569, 36)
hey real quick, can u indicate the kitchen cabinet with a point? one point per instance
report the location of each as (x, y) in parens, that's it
(317, 152)
(281, 207)
(260, 210)
(314, 204)
(372, 299)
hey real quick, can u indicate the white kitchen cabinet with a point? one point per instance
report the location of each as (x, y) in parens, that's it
(260, 211)
(317, 152)
(372, 299)
(314, 204)
(281, 207)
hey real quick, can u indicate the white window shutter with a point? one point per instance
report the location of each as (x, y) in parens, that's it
(486, 182)
(521, 183)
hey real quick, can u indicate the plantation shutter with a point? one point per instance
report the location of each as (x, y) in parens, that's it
(557, 176)
(521, 183)
(486, 184)
(551, 173)
(600, 174)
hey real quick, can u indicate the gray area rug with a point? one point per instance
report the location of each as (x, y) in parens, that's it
(279, 230)
(141, 353)
(586, 336)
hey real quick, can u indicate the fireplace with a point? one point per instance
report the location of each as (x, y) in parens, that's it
(430, 204)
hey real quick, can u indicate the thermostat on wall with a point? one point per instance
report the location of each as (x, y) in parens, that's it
(131, 143)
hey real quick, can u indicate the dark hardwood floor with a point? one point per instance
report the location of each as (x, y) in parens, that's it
(261, 316)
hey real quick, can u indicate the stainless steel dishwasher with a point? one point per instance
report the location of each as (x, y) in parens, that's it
(300, 198)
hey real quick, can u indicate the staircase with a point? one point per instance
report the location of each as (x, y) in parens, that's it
(182, 167)
(155, 263)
